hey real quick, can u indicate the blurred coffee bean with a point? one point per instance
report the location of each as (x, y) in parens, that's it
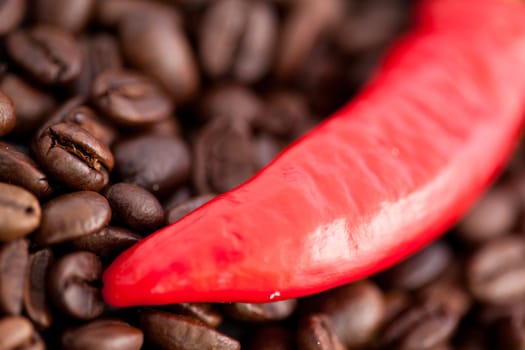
(157, 163)
(395, 302)
(184, 208)
(419, 269)
(452, 296)
(71, 216)
(177, 197)
(266, 148)
(203, 312)
(107, 242)
(7, 114)
(223, 156)
(496, 271)
(74, 157)
(50, 54)
(35, 295)
(13, 263)
(422, 326)
(71, 285)
(274, 311)
(356, 311)
(130, 98)
(237, 37)
(492, 216)
(17, 333)
(20, 212)
(31, 104)
(168, 331)
(166, 127)
(107, 334)
(231, 101)
(70, 15)
(112, 12)
(18, 169)
(11, 14)
(271, 338)
(283, 113)
(316, 332)
(135, 206)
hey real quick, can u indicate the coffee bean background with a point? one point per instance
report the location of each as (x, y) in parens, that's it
(120, 116)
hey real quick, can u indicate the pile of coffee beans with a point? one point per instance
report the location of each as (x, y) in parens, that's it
(120, 116)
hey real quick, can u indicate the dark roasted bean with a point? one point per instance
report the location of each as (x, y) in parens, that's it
(283, 113)
(70, 285)
(168, 331)
(231, 101)
(316, 332)
(71, 15)
(18, 169)
(17, 333)
(36, 302)
(74, 157)
(73, 215)
(451, 295)
(186, 207)
(11, 14)
(395, 302)
(157, 163)
(49, 54)
(271, 338)
(107, 242)
(278, 310)
(201, 311)
(107, 334)
(20, 212)
(13, 262)
(7, 114)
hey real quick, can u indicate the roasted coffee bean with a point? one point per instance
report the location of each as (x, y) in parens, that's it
(278, 310)
(223, 155)
(17, 333)
(201, 311)
(7, 114)
(186, 207)
(168, 331)
(71, 15)
(71, 216)
(494, 215)
(130, 98)
(419, 269)
(271, 338)
(107, 334)
(13, 262)
(31, 104)
(70, 285)
(496, 271)
(18, 169)
(11, 14)
(157, 163)
(107, 242)
(452, 296)
(135, 206)
(50, 54)
(232, 102)
(316, 332)
(74, 157)
(395, 302)
(35, 296)
(20, 212)
(283, 113)
(422, 326)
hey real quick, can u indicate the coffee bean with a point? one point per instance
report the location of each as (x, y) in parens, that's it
(223, 156)
(13, 262)
(7, 115)
(18, 169)
(395, 302)
(271, 338)
(19, 212)
(452, 296)
(11, 14)
(107, 242)
(73, 215)
(74, 157)
(31, 104)
(317, 333)
(17, 333)
(130, 98)
(356, 311)
(266, 148)
(203, 312)
(168, 331)
(71, 285)
(107, 334)
(157, 163)
(274, 311)
(51, 55)
(135, 206)
(496, 271)
(70, 15)
(35, 295)
(231, 101)
(186, 207)
(283, 113)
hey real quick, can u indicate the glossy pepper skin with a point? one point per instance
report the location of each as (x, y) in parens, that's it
(381, 178)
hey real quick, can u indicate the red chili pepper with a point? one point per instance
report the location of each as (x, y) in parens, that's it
(381, 178)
